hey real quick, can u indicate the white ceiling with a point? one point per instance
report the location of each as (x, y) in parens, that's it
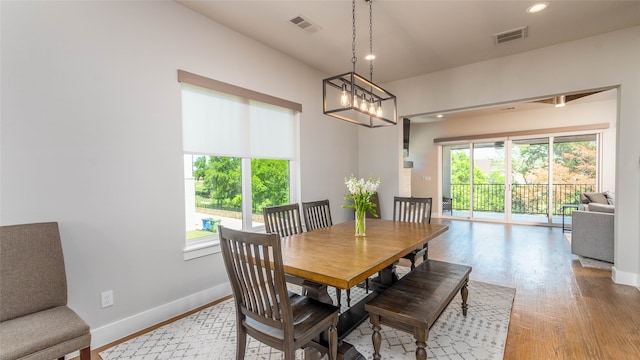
(413, 37)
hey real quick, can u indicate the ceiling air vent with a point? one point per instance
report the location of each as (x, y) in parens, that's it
(304, 24)
(510, 35)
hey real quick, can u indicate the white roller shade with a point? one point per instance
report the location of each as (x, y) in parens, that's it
(227, 125)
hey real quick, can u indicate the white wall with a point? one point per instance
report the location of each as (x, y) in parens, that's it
(424, 152)
(91, 138)
(601, 61)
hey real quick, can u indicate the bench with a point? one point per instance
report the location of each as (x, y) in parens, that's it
(416, 301)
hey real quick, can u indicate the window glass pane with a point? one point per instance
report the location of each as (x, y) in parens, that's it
(213, 195)
(456, 182)
(269, 185)
(488, 180)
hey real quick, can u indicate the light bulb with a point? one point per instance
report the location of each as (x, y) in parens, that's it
(379, 110)
(355, 99)
(372, 107)
(363, 103)
(344, 98)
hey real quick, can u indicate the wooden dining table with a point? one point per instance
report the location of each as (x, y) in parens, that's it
(335, 257)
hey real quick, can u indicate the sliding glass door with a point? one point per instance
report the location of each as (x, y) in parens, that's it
(524, 180)
(530, 180)
(488, 191)
(574, 170)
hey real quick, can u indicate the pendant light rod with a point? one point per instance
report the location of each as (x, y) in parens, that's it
(353, 37)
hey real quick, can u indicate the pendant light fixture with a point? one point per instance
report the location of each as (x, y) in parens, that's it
(351, 97)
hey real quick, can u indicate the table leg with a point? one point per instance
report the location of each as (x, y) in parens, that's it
(354, 316)
(387, 276)
(349, 320)
(317, 291)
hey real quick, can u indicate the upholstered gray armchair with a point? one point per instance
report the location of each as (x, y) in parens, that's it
(35, 322)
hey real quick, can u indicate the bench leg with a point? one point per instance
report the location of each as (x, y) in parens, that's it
(421, 336)
(464, 292)
(376, 338)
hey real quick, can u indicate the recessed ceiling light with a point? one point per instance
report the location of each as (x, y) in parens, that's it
(537, 7)
(439, 116)
(370, 57)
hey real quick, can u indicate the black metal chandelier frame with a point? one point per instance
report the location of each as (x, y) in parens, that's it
(353, 98)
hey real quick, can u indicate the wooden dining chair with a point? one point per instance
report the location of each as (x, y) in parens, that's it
(283, 220)
(265, 309)
(412, 209)
(317, 214)
(376, 200)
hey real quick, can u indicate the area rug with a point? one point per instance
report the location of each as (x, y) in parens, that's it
(211, 334)
(590, 263)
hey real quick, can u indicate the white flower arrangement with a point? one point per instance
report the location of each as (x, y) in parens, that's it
(360, 193)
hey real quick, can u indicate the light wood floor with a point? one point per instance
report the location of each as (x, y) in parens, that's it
(561, 310)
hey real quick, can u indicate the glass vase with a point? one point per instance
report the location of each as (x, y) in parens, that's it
(360, 222)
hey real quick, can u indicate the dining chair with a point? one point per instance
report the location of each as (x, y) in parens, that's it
(283, 220)
(412, 209)
(376, 200)
(265, 309)
(317, 215)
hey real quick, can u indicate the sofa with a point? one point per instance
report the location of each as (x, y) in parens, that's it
(592, 226)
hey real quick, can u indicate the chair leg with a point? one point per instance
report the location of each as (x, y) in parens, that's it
(289, 353)
(85, 354)
(348, 297)
(242, 342)
(338, 295)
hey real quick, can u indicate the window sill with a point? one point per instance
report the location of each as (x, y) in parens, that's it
(194, 251)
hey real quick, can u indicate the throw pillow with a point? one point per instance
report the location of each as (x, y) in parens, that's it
(599, 198)
(583, 199)
(611, 197)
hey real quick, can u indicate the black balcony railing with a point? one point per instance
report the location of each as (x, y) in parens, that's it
(531, 199)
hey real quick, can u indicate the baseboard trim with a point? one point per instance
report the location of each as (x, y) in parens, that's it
(122, 328)
(625, 278)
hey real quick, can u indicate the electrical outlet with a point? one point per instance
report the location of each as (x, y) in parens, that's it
(106, 298)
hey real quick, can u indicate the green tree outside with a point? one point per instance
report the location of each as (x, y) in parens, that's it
(219, 182)
(574, 163)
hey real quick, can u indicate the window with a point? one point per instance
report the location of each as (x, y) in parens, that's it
(240, 155)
